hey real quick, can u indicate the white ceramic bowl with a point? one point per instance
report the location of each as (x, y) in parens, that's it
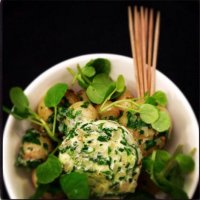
(185, 126)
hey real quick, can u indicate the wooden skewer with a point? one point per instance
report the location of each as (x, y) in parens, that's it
(155, 52)
(130, 16)
(143, 32)
(144, 45)
(150, 38)
(138, 49)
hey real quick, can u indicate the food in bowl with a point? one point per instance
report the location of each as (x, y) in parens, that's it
(70, 123)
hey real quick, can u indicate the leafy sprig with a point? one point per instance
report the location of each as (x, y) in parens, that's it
(53, 98)
(168, 171)
(74, 185)
(94, 78)
(148, 111)
(21, 109)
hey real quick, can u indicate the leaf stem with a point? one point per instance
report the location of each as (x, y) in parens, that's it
(50, 133)
(35, 122)
(83, 76)
(54, 119)
(108, 98)
(73, 74)
(117, 102)
(172, 162)
(45, 126)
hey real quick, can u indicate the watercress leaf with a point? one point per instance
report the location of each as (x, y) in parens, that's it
(40, 190)
(55, 94)
(161, 159)
(101, 65)
(103, 79)
(173, 178)
(21, 114)
(170, 188)
(88, 71)
(148, 113)
(163, 122)
(147, 164)
(110, 90)
(81, 82)
(18, 98)
(120, 84)
(75, 185)
(17, 114)
(96, 93)
(160, 97)
(48, 171)
(100, 88)
(186, 163)
(165, 175)
(151, 100)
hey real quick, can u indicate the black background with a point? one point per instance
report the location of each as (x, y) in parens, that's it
(40, 34)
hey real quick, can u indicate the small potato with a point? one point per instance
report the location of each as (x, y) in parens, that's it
(126, 95)
(112, 112)
(71, 97)
(147, 138)
(43, 111)
(80, 112)
(34, 151)
(35, 148)
(82, 95)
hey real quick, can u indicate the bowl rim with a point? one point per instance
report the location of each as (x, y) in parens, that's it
(85, 57)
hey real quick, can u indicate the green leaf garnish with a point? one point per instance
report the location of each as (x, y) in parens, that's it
(55, 94)
(40, 190)
(120, 84)
(99, 89)
(19, 99)
(168, 171)
(82, 82)
(163, 123)
(185, 162)
(160, 98)
(101, 65)
(48, 171)
(88, 71)
(75, 185)
(148, 113)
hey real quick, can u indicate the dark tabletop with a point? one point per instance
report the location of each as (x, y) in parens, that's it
(39, 34)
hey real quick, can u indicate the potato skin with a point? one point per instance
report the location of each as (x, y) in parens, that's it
(81, 111)
(112, 112)
(34, 149)
(43, 111)
(71, 97)
(147, 138)
(88, 112)
(82, 95)
(126, 95)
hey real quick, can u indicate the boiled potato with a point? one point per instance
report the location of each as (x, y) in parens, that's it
(43, 111)
(111, 113)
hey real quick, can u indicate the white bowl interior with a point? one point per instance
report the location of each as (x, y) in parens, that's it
(185, 126)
